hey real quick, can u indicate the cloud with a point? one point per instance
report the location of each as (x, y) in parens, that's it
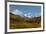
(25, 14)
(28, 15)
(20, 13)
(17, 12)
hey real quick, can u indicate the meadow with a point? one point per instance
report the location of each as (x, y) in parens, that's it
(18, 22)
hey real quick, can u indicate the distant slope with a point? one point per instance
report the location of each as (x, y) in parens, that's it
(17, 18)
(17, 21)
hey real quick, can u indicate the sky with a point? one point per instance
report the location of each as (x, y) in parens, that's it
(26, 10)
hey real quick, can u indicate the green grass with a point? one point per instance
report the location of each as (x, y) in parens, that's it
(19, 22)
(24, 25)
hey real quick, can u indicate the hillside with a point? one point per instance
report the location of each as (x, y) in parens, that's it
(17, 21)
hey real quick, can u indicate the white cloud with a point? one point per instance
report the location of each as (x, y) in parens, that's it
(20, 13)
(28, 15)
(17, 12)
(25, 14)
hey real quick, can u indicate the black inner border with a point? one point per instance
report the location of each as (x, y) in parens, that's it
(22, 2)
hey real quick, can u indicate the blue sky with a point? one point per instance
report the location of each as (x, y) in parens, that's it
(26, 9)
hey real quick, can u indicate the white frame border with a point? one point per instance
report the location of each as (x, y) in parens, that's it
(28, 29)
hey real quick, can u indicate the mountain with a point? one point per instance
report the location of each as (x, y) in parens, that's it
(17, 18)
(17, 21)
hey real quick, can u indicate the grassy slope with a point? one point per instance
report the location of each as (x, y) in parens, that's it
(21, 22)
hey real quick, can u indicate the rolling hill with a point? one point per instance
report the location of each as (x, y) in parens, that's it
(17, 21)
